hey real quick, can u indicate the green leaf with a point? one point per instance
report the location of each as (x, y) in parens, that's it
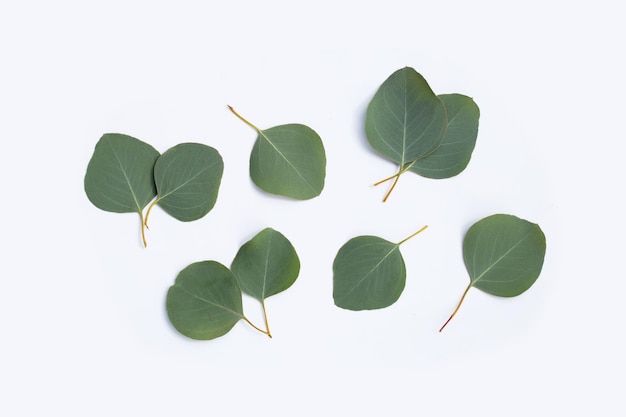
(188, 178)
(503, 255)
(288, 160)
(266, 265)
(405, 120)
(368, 273)
(205, 301)
(455, 151)
(119, 175)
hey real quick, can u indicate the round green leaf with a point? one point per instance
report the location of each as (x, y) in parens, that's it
(368, 273)
(455, 151)
(405, 120)
(289, 160)
(266, 265)
(119, 175)
(504, 254)
(205, 301)
(188, 178)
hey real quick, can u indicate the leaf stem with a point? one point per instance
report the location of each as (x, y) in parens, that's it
(242, 119)
(143, 230)
(267, 332)
(396, 177)
(392, 187)
(267, 325)
(457, 307)
(414, 234)
(386, 179)
(154, 203)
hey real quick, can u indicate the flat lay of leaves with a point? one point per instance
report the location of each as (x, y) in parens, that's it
(288, 160)
(503, 255)
(430, 135)
(125, 174)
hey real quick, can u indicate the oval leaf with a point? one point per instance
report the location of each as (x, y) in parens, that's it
(205, 301)
(455, 151)
(405, 120)
(119, 175)
(368, 273)
(188, 178)
(504, 254)
(266, 265)
(289, 160)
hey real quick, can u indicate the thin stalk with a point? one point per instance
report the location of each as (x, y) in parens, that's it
(267, 332)
(243, 120)
(391, 189)
(457, 307)
(267, 325)
(387, 179)
(143, 230)
(414, 234)
(154, 203)
(395, 177)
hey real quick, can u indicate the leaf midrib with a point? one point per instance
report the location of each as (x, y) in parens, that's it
(132, 191)
(267, 257)
(262, 133)
(501, 257)
(236, 313)
(184, 183)
(371, 270)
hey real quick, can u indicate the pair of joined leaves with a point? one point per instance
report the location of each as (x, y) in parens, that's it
(205, 301)
(503, 255)
(125, 174)
(432, 136)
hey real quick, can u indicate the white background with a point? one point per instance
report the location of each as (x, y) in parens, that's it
(82, 317)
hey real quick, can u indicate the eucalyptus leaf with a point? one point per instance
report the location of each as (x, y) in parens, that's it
(455, 152)
(266, 265)
(288, 160)
(205, 301)
(119, 176)
(503, 255)
(188, 178)
(368, 273)
(405, 121)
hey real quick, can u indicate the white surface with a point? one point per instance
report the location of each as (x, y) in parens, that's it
(84, 330)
